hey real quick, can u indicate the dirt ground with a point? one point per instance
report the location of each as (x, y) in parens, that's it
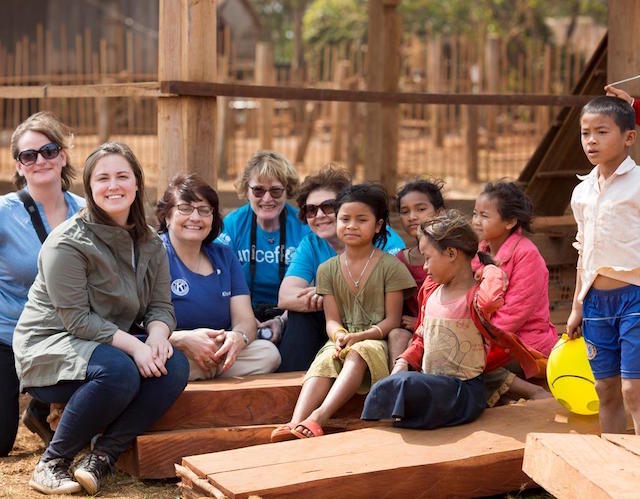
(16, 469)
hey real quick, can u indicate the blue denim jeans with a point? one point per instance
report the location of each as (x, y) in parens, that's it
(9, 388)
(113, 400)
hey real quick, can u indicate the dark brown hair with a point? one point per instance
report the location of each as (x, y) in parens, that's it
(431, 189)
(512, 203)
(189, 188)
(331, 178)
(57, 132)
(136, 222)
(451, 230)
(375, 197)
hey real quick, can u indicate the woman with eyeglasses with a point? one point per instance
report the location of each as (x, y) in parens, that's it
(94, 334)
(216, 328)
(305, 331)
(264, 233)
(40, 147)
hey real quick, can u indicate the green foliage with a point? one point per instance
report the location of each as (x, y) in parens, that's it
(335, 21)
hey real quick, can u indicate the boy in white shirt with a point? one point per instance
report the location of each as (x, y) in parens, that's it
(606, 304)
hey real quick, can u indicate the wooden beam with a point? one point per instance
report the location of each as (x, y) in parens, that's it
(143, 89)
(264, 75)
(624, 37)
(186, 124)
(476, 459)
(571, 466)
(375, 78)
(283, 92)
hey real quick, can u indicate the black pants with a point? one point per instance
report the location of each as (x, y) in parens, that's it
(9, 405)
(303, 337)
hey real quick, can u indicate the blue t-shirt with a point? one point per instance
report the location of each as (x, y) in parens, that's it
(313, 250)
(237, 235)
(205, 301)
(19, 248)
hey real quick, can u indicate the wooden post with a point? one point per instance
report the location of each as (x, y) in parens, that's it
(471, 146)
(186, 125)
(623, 60)
(434, 65)
(381, 128)
(224, 123)
(265, 75)
(353, 131)
(492, 70)
(338, 111)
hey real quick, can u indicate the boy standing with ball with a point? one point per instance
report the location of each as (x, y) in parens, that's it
(606, 304)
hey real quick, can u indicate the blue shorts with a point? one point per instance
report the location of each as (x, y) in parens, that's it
(611, 328)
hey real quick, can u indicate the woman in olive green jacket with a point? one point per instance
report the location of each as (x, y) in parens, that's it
(94, 333)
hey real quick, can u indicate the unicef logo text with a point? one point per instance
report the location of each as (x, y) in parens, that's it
(180, 287)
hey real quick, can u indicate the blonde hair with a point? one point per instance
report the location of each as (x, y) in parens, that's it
(268, 164)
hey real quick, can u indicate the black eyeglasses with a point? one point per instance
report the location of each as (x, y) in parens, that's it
(328, 207)
(259, 191)
(187, 209)
(30, 156)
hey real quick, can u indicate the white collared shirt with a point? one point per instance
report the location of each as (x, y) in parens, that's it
(608, 238)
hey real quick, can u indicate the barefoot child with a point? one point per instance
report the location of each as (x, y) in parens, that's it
(606, 304)
(363, 290)
(501, 213)
(447, 354)
(417, 201)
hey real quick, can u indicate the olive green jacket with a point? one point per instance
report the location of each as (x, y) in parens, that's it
(86, 289)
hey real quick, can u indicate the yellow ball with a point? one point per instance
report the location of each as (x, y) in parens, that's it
(570, 378)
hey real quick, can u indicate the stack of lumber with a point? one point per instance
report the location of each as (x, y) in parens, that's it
(570, 466)
(477, 459)
(223, 414)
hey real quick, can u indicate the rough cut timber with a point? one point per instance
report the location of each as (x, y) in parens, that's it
(481, 458)
(253, 400)
(585, 466)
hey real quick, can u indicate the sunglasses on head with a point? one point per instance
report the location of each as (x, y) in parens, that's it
(328, 207)
(30, 156)
(259, 191)
(187, 209)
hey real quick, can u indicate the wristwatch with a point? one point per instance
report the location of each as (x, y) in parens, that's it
(244, 337)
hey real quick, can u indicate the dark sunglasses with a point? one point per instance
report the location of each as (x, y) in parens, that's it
(187, 209)
(30, 156)
(328, 207)
(259, 191)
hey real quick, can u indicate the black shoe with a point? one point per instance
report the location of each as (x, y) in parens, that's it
(53, 477)
(91, 470)
(37, 425)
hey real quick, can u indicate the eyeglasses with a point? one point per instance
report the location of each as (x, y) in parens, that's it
(328, 207)
(187, 209)
(47, 151)
(259, 191)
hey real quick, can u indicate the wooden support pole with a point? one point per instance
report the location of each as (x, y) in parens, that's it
(338, 111)
(186, 125)
(623, 58)
(353, 132)
(265, 75)
(471, 146)
(434, 65)
(381, 128)
(492, 70)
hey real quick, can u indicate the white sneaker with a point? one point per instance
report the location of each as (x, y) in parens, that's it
(53, 477)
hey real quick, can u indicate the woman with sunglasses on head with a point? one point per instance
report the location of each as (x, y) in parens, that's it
(264, 233)
(216, 328)
(94, 334)
(40, 147)
(305, 332)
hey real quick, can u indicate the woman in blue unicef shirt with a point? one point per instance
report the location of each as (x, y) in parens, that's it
(216, 328)
(265, 232)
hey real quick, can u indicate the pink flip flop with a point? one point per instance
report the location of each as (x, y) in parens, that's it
(308, 424)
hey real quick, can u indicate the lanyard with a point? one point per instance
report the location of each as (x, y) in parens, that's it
(281, 253)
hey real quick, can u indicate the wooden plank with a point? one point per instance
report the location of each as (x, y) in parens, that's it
(142, 89)
(262, 399)
(630, 442)
(265, 76)
(487, 453)
(283, 92)
(154, 454)
(572, 466)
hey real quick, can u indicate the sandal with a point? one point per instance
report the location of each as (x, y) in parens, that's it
(282, 433)
(310, 425)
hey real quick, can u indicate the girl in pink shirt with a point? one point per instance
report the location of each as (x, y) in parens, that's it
(501, 213)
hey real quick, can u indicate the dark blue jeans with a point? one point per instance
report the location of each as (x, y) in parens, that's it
(113, 400)
(9, 387)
